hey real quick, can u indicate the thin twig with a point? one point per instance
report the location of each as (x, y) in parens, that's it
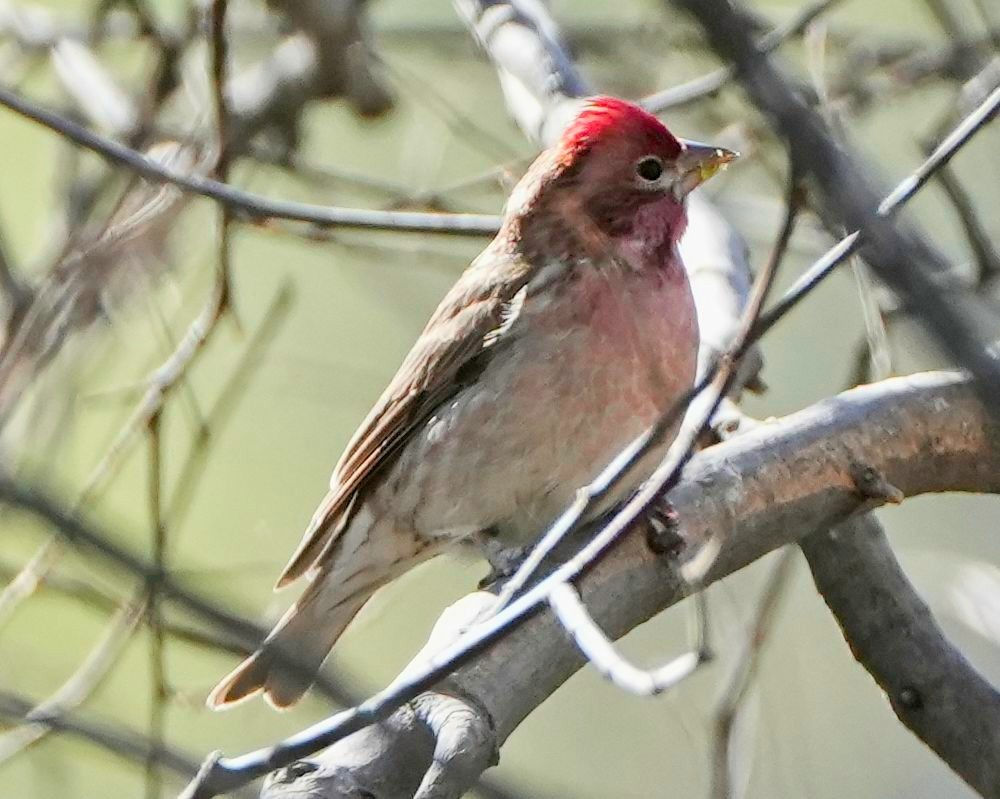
(158, 389)
(600, 651)
(29, 577)
(986, 255)
(75, 531)
(85, 593)
(745, 672)
(220, 58)
(16, 292)
(159, 685)
(121, 741)
(709, 84)
(251, 206)
(81, 684)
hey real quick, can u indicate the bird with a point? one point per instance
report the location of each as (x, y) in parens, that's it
(560, 343)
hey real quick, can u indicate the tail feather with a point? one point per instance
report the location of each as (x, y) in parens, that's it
(289, 659)
(287, 662)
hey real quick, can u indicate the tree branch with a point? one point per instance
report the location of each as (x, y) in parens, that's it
(251, 206)
(126, 743)
(933, 689)
(759, 491)
(899, 254)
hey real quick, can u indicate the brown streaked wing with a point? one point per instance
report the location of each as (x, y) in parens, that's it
(477, 305)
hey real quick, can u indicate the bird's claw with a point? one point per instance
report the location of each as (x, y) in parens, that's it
(504, 562)
(663, 529)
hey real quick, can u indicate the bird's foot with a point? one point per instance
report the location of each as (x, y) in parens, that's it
(663, 529)
(504, 561)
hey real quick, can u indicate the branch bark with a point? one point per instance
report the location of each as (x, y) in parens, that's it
(758, 491)
(932, 688)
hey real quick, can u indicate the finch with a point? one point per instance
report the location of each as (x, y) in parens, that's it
(561, 342)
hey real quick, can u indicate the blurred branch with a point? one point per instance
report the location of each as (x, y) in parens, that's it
(953, 22)
(125, 743)
(83, 682)
(932, 688)
(506, 667)
(707, 85)
(986, 255)
(191, 345)
(903, 259)
(17, 294)
(251, 206)
(89, 595)
(159, 687)
(129, 249)
(89, 278)
(328, 54)
(744, 673)
(70, 527)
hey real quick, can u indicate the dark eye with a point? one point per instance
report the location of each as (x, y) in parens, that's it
(649, 169)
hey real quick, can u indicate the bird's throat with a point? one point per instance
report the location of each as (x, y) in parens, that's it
(650, 242)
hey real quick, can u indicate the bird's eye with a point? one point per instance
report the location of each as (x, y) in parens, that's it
(649, 169)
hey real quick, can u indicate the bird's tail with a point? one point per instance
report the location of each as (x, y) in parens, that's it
(287, 662)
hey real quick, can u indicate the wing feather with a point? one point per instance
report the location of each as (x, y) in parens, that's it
(479, 309)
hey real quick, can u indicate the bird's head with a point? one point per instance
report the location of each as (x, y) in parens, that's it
(617, 174)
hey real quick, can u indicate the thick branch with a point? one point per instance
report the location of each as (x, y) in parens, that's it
(759, 491)
(933, 690)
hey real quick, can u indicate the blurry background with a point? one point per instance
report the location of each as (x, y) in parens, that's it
(316, 328)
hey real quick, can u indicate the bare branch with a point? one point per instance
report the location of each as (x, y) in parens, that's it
(328, 54)
(710, 83)
(80, 685)
(509, 664)
(904, 260)
(745, 671)
(70, 527)
(249, 205)
(601, 653)
(932, 688)
(126, 743)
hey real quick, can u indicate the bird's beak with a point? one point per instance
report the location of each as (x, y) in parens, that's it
(698, 162)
